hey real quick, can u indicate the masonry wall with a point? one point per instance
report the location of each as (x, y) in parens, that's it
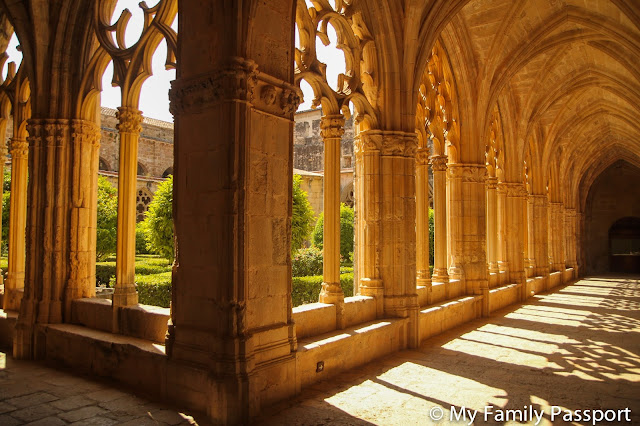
(614, 194)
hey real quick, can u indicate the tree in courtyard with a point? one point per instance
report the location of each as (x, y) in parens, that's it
(302, 217)
(107, 219)
(346, 231)
(158, 223)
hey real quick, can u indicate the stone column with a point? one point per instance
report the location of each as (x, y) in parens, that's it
(579, 227)
(367, 151)
(570, 238)
(455, 220)
(557, 236)
(332, 130)
(398, 229)
(3, 157)
(501, 203)
(14, 285)
(538, 238)
(528, 267)
(391, 248)
(514, 232)
(85, 137)
(422, 220)
(60, 230)
(468, 229)
(129, 126)
(440, 272)
(231, 330)
(492, 225)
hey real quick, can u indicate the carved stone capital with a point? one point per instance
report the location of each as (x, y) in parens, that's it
(129, 120)
(275, 96)
(422, 156)
(570, 213)
(439, 163)
(399, 144)
(332, 127)
(19, 147)
(475, 173)
(513, 189)
(367, 142)
(85, 132)
(48, 132)
(235, 81)
(492, 182)
(538, 200)
(387, 143)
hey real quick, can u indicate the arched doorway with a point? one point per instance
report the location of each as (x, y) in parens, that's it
(624, 245)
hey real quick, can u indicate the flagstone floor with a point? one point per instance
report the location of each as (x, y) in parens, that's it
(577, 348)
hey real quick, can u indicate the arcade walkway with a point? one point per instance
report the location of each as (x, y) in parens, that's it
(575, 349)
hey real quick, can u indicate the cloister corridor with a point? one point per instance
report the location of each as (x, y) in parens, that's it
(575, 348)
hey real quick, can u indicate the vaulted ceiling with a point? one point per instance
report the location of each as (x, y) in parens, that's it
(565, 75)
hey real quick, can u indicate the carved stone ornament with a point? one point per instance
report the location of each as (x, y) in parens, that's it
(277, 97)
(422, 156)
(85, 132)
(399, 144)
(129, 120)
(475, 173)
(332, 127)
(514, 189)
(19, 147)
(233, 81)
(439, 163)
(367, 142)
(48, 131)
(492, 182)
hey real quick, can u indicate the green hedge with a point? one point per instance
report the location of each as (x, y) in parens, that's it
(154, 289)
(145, 265)
(307, 289)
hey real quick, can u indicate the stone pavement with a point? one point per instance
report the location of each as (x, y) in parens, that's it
(33, 394)
(577, 348)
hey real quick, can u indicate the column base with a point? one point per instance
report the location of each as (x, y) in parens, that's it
(405, 306)
(332, 294)
(440, 275)
(125, 296)
(13, 291)
(426, 283)
(373, 287)
(456, 273)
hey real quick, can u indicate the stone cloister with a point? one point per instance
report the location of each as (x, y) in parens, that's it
(526, 111)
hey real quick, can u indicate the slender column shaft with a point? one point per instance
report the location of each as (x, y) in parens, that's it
(557, 236)
(439, 164)
(332, 130)
(570, 238)
(422, 221)
(525, 235)
(367, 150)
(492, 224)
(455, 219)
(3, 156)
(129, 126)
(467, 182)
(17, 224)
(514, 231)
(538, 240)
(503, 262)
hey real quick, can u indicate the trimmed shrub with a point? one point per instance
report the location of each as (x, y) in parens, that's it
(307, 289)
(141, 240)
(154, 289)
(105, 273)
(107, 225)
(307, 261)
(302, 216)
(346, 232)
(158, 223)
